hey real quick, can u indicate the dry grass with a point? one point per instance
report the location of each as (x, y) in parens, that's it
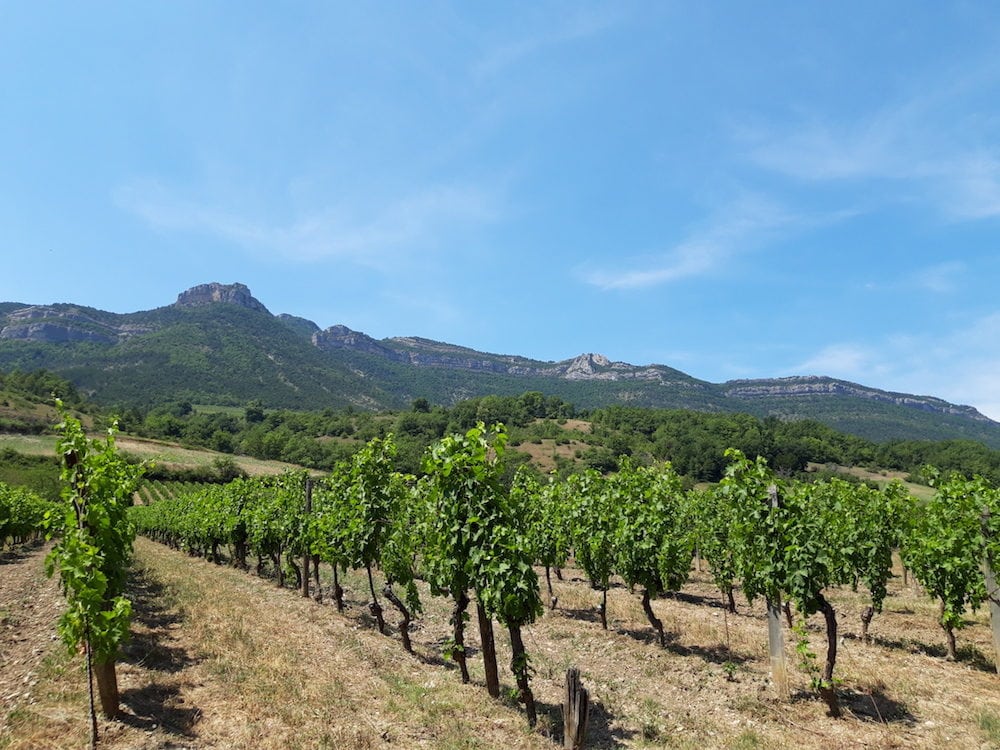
(881, 478)
(543, 453)
(150, 450)
(221, 659)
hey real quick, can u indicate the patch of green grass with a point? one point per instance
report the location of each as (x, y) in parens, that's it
(232, 411)
(32, 445)
(747, 740)
(989, 722)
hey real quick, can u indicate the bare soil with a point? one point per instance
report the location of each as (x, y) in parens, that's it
(222, 659)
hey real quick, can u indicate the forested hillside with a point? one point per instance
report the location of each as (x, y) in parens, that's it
(219, 346)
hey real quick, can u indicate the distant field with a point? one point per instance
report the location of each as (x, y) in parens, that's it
(233, 411)
(882, 478)
(31, 445)
(150, 450)
(543, 453)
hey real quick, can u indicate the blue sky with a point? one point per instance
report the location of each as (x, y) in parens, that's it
(733, 189)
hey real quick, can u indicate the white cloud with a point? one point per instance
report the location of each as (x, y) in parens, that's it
(940, 279)
(961, 366)
(737, 228)
(376, 234)
(847, 361)
(931, 146)
(582, 24)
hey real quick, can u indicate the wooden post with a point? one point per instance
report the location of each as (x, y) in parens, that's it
(775, 635)
(992, 593)
(575, 710)
(305, 553)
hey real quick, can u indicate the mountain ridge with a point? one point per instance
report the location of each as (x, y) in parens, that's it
(216, 342)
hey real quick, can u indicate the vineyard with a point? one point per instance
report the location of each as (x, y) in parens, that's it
(660, 595)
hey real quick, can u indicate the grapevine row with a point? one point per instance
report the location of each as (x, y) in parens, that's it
(474, 538)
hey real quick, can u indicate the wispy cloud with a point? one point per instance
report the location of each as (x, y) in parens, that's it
(842, 360)
(959, 365)
(376, 235)
(942, 278)
(738, 228)
(582, 24)
(930, 145)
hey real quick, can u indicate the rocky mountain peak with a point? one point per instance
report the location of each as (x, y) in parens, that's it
(208, 294)
(586, 365)
(342, 337)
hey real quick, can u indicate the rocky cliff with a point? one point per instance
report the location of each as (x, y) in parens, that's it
(59, 324)
(208, 294)
(813, 385)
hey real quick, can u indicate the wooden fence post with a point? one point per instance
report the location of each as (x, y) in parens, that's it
(576, 711)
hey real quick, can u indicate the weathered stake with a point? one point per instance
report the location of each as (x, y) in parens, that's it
(775, 635)
(305, 552)
(575, 710)
(992, 594)
(776, 646)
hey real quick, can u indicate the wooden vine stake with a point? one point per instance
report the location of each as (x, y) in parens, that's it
(992, 593)
(775, 635)
(576, 711)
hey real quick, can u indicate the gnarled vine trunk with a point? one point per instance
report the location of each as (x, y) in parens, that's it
(404, 624)
(653, 619)
(338, 591)
(489, 652)
(826, 689)
(519, 666)
(374, 606)
(458, 633)
(949, 632)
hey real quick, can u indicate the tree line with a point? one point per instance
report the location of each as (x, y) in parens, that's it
(694, 442)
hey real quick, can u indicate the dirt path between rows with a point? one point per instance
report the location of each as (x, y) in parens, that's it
(30, 605)
(222, 659)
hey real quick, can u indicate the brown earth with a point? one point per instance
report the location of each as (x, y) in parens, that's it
(222, 659)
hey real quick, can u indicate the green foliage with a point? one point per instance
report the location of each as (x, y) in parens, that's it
(714, 520)
(39, 474)
(755, 525)
(371, 496)
(42, 386)
(95, 546)
(22, 513)
(653, 541)
(944, 544)
(330, 522)
(545, 515)
(594, 526)
(401, 544)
